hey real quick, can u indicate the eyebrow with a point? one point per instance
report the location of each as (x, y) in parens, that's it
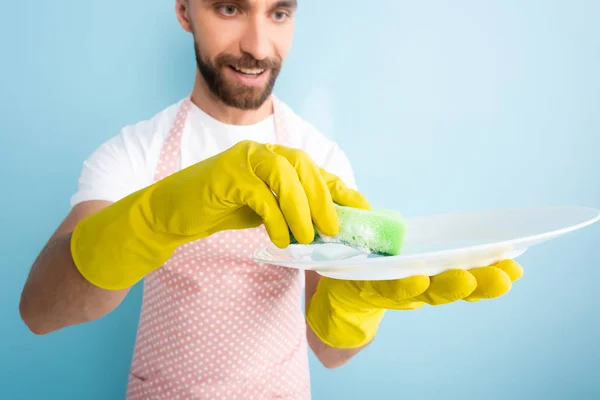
(293, 4)
(244, 3)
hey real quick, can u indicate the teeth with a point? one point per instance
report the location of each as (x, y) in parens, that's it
(249, 71)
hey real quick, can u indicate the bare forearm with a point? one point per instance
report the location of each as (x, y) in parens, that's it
(56, 295)
(329, 356)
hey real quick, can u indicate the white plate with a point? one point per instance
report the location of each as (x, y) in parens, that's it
(437, 243)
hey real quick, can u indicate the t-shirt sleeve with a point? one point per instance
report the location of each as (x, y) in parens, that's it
(108, 173)
(325, 152)
(337, 163)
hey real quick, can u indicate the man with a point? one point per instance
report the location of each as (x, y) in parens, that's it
(183, 200)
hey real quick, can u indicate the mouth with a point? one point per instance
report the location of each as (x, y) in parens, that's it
(251, 72)
(249, 77)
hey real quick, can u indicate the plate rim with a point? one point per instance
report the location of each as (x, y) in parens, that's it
(440, 253)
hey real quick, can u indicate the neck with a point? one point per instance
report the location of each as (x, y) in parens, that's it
(203, 98)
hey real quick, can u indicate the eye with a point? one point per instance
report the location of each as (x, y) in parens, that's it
(227, 10)
(280, 16)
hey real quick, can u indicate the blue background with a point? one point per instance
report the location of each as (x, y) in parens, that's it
(441, 106)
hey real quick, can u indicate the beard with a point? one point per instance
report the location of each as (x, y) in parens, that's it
(234, 94)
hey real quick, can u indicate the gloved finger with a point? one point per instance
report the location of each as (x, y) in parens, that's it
(242, 218)
(511, 268)
(342, 195)
(263, 203)
(492, 282)
(322, 209)
(448, 287)
(281, 178)
(391, 293)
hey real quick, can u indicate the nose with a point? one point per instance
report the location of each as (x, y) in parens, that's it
(255, 40)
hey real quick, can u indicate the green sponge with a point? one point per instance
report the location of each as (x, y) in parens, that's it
(377, 231)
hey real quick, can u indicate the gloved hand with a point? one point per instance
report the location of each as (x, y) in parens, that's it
(242, 187)
(346, 314)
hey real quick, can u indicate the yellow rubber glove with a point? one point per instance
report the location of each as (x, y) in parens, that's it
(346, 314)
(242, 187)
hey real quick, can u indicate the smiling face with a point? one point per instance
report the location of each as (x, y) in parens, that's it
(240, 45)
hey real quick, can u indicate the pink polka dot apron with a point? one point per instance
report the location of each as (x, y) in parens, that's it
(214, 323)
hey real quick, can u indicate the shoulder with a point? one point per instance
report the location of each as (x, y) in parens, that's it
(326, 152)
(139, 139)
(124, 162)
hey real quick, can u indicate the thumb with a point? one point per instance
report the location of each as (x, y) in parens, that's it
(342, 195)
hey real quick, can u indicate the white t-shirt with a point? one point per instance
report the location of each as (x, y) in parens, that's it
(126, 162)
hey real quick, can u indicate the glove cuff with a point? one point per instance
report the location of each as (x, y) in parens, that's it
(116, 247)
(340, 317)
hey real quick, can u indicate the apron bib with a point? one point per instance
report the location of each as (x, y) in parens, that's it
(214, 323)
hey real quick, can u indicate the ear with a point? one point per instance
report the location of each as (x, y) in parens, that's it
(182, 12)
